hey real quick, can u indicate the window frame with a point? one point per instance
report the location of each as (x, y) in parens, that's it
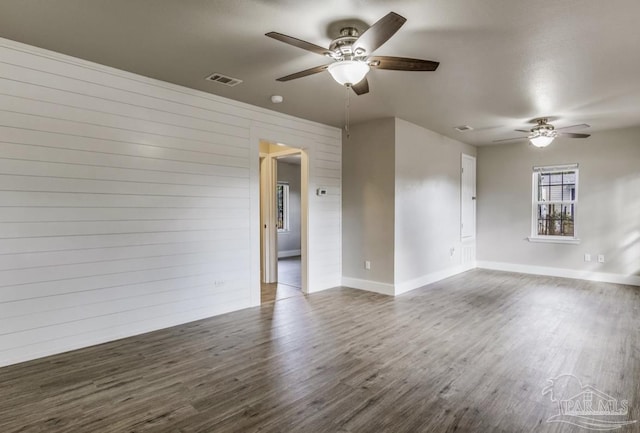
(535, 237)
(285, 207)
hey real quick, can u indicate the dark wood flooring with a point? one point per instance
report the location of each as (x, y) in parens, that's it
(289, 281)
(468, 354)
(290, 271)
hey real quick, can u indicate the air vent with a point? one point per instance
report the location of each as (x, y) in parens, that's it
(223, 79)
(463, 128)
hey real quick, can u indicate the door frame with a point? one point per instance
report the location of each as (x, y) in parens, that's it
(472, 158)
(269, 235)
(297, 144)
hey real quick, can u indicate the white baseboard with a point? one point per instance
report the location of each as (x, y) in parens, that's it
(371, 286)
(632, 280)
(288, 253)
(329, 282)
(393, 290)
(432, 278)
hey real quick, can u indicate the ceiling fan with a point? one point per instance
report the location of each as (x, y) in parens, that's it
(543, 133)
(351, 54)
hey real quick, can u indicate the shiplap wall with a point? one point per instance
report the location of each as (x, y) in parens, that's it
(128, 204)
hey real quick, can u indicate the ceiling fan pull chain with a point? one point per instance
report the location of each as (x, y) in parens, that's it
(346, 112)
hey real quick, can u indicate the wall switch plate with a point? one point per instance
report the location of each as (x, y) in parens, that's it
(600, 258)
(367, 265)
(587, 257)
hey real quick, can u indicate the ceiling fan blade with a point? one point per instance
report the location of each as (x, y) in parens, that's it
(304, 73)
(298, 43)
(580, 126)
(574, 135)
(362, 87)
(526, 131)
(402, 63)
(510, 139)
(379, 33)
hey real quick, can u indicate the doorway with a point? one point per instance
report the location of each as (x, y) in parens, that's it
(283, 210)
(288, 219)
(468, 210)
(468, 198)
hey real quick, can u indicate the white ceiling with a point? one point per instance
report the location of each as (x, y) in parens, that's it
(291, 159)
(503, 62)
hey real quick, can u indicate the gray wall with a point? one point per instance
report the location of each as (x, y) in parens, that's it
(427, 201)
(608, 213)
(368, 201)
(290, 173)
(401, 204)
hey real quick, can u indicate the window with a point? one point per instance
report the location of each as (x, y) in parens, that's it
(555, 199)
(282, 199)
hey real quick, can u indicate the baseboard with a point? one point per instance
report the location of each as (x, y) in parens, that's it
(370, 286)
(393, 290)
(432, 278)
(632, 280)
(102, 336)
(288, 253)
(326, 283)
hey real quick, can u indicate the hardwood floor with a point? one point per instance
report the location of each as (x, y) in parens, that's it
(289, 281)
(468, 354)
(290, 271)
(271, 292)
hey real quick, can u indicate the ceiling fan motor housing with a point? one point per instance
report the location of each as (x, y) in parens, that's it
(342, 46)
(543, 129)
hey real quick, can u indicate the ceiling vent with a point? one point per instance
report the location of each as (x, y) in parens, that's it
(223, 79)
(463, 128)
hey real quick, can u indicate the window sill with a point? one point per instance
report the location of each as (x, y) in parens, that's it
(554, 240)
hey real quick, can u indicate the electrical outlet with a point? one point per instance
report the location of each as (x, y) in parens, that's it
(600, 258)
(367, 265)
(587, 257)
(452, 251)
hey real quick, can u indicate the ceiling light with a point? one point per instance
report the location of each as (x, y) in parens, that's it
(348, 72)
(542, 137)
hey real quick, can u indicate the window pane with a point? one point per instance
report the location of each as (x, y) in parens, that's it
(543, 187)
(555, 193)
(280, 203)
(555, 220)
(554, 209)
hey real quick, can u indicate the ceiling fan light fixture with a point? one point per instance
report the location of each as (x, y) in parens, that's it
(348, 72)
(542, 138)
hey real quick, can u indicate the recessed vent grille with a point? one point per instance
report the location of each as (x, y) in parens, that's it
(463, 128)
(223, 79)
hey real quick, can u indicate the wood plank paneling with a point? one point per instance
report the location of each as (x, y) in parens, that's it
(126, 203)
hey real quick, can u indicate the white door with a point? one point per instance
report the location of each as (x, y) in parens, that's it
(468, 197)
(268, 236)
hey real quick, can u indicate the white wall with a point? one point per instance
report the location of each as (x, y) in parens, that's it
(289, 241)
(608, 212)
(427, 205)
(367, 207)
(129, 204)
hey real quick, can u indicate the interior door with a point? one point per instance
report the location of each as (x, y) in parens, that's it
(268, 236)
(468, 197)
